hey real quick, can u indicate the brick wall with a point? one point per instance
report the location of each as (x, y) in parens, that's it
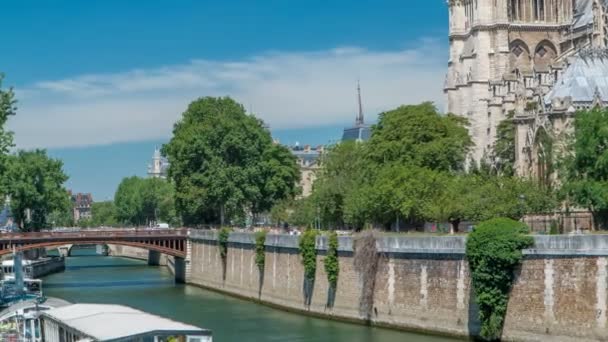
(423, 284)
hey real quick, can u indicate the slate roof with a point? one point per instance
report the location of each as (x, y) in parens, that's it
(586, 74)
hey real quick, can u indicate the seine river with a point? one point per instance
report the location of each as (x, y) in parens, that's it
(97, 279)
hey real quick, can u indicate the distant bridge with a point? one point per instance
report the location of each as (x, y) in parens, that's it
(168, 241)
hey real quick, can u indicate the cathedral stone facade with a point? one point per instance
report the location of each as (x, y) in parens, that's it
(533, 61)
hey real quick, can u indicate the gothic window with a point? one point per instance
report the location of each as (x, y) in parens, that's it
(544, 54)
(519, 58)
(515, 9)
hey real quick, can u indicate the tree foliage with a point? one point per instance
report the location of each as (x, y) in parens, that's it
(308, 252)
(34, 183)
(343, 169)
(493, 250)
(503, 150)
(413, 170)
(224, 163)
(104, 214)
(419, 135)
(585, 164)
(8, 108)
(331, 262)
(260, 249)
(140, 201)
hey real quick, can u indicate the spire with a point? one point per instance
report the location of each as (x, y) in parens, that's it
(360, 120)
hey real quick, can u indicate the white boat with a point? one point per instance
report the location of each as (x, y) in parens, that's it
(20, 321)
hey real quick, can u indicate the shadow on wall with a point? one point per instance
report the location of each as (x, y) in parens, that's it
(308, 286)
(473, 324)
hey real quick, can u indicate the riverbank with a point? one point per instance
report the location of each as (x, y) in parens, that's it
(131, 282)
(422, 284)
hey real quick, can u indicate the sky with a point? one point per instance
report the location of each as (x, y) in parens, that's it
(100, 83)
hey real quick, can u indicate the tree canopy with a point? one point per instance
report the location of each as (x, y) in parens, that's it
(35, 185)
(419, 135)
(141, 201)
(225, 164)
(412, 170)
(104, 214)
(585, 164)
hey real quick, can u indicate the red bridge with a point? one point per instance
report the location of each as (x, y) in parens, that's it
(168, 241)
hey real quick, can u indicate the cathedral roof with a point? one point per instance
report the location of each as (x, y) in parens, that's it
(583, 14)
(585, 78)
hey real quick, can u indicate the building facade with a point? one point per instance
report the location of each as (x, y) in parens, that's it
(511, 59)
(309, 161)
(81, 206)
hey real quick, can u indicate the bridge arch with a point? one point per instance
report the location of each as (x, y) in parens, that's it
(164, 250)
(169, 242)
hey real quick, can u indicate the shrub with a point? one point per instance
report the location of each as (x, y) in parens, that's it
(222, 241)
(308, 251)
(494, 250)
(260, 249)
(332, 266)
(554, 228)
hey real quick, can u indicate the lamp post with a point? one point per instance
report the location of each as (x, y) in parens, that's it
(522, 202)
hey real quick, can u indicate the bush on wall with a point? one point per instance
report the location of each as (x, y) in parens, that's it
(260, 249)
(332, 267)
(222, 241)
(308, 252)
(493, 250)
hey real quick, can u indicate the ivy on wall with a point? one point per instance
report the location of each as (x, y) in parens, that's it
(260, 249)
(308, 252)
(332, 267)
(493, 250)
(222, 241)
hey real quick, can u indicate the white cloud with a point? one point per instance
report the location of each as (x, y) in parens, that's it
(286, 89)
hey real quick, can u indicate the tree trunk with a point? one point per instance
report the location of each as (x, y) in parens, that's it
(222, 215)
(454, 226)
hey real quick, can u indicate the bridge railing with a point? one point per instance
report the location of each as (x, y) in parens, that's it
(101, 233)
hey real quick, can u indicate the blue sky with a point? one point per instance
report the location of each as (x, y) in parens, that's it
(101, 82)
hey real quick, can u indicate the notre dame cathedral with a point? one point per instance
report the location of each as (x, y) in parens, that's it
(533, 61)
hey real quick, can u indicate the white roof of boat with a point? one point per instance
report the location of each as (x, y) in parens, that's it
(93, 320)
(50, 302)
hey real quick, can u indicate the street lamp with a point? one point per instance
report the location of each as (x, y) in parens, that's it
(522, 202)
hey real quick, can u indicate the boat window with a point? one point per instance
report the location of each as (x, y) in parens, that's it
(61, 335)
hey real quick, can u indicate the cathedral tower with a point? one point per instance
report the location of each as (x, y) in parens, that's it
(505, 55)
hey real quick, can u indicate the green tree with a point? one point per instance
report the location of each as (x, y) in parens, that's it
(503, 151)
(7, 109)
(453, 199)
(304, 213)
(585, 165)
(141, 201)
(63, 217)
(419, 135)
(35, 184)
(224, 163)
(104, 214)
(128, 201)
(342, 172)
(494, 250)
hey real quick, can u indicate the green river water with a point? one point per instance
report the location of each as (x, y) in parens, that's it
(96, 279)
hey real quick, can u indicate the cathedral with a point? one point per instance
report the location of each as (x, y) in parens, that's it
(535, 62)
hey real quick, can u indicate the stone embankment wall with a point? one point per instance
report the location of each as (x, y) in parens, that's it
(422, 284)
(134, 253)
